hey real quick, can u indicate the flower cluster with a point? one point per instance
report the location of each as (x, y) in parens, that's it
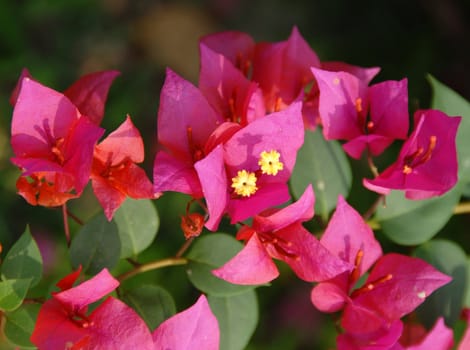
(231, 144)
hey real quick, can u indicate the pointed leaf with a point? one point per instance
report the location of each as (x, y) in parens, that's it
(238, 318)
(137, 222)
(96, 246)
(448, 301)
(323, 164)
(410, 222)
(23, 261)
(453, 104)
(12, 293)
(153, 303)
(20, 324)
(208, 253)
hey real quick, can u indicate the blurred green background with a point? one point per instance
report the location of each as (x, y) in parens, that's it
(60, 40)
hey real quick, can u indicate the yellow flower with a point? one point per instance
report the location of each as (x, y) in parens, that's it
(244, 183)
(269, 162)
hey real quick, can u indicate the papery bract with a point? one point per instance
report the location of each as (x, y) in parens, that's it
(53, 145)
(279, 234)
(440, 337)
(368, 117)
(396, 285)
(228, 91)
(115, 174)
(281, 132)
(63, 321)
(427, 163)
(193, 328)
(185, 122)
(88, 93)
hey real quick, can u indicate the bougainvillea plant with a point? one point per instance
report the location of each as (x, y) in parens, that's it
(262, 150)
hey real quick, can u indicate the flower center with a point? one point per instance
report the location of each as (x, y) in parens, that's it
(244, 183)
(281, 246)
(420, 156)
(371, 285)
(269, 162)
(196, 152)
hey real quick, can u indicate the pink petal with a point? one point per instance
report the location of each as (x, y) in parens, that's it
(90, 92)
(268, 195)
(77, 298)
(237, 47)
(251, 266)
(183, 106)
(440, 337)
(193, 328)
(108, 196)
(465, 341)
(123, 143)
(282, 131)
(117, 326)
(299, 211)
(389, 108)
(347, 234)
(173, 174)
(41, 116)
(228, 91)
(364, 74)
(329, 297)
(409, 282)
(14, 95)
(283, 69)
(306, 256)
(376, 144)
(211, 172)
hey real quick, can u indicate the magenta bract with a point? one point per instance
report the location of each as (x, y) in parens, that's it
(427, 163)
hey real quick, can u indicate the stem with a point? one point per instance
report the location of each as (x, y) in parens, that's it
(373, 207)
(75, 218)
(184, 247)
(154, 265)
(371, 164)
(462, 208)
(66, 224)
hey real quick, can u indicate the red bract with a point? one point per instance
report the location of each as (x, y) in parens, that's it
(114, 173)
(368, 117)
(235, 177)
(53, 145)
(228, 91)
(194, 328)
(279, 234)
(88, 94)
(185, 122)
(427, 163)
(396, 285)
(63, 322)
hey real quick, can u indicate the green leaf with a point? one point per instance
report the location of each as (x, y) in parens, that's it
(448, 300)
(451, 103)
(324, 165)
(208, 253)
(137, 222)
(12, 293)
(153, 303)
(412, 222)
(96, 246)
(23, 261)
(238, 318)
(20, 325)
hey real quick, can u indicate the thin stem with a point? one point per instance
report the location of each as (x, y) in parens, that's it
(75, 218)
(184, 247)
(133, 262)
(373, 207)
(462, 208)
(154, 265)
(66, 224)
(371, 164)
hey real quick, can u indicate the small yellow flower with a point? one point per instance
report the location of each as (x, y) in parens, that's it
(244, 183)
(269, 162)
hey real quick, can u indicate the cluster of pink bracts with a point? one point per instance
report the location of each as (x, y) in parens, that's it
(231, 144)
